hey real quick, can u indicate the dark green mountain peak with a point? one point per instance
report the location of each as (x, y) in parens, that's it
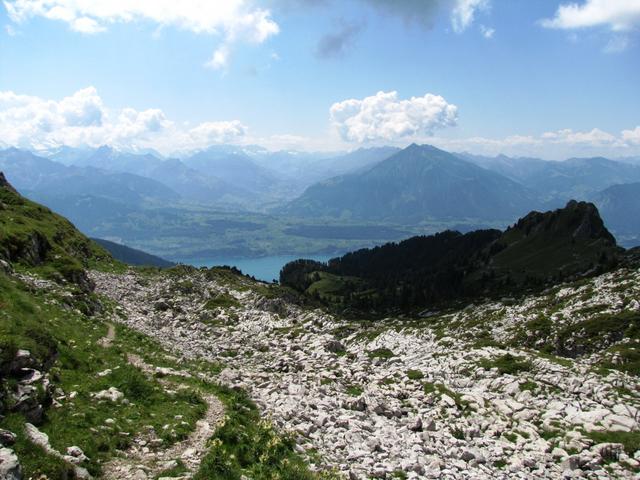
(540, 250)
(578, 220)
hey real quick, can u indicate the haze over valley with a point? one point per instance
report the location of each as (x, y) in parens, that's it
(236, 202)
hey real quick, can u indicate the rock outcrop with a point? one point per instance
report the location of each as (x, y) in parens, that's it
(26, 387)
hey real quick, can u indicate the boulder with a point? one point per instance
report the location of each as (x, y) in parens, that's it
(112, 394)
(609, 452)
(9, 465)
(22, 359)
(7, 438)
(334, 346)
(416, 426)
(6, 267)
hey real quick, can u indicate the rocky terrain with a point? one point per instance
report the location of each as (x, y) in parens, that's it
(473, 393)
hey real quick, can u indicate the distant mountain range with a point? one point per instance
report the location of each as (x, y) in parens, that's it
(417, 184)
(107, 192)
(32, 173)
(620, 207)
(560, 181)
(423, 183)
(248, 177)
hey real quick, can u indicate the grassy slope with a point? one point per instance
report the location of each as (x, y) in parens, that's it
(33, 236)
(47, 326)
(544, 253)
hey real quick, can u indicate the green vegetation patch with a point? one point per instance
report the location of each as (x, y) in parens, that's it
(246, 445)
(383, 353)
(354, 390)
(529, 386)
(630, 440)
(441, 389)
(221, 300)
(506, 364)
(598, 333)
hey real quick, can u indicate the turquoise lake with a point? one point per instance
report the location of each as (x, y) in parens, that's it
(263, 268)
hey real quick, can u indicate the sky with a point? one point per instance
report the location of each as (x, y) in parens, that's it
(544, 78)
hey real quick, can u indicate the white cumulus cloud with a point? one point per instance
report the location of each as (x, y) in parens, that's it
(618, 15)
(217, 132)
(385, 117)
(594, 137)
(632, 136)
(82, 119)
(464, 12)
(232, 20)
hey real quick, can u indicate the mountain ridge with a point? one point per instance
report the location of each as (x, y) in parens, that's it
(416, 184)
(539, 249)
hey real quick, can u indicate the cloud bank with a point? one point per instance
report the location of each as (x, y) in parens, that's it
(385, 117)
(82, 120)
(618, 15)
(555, 145)
(231, 20)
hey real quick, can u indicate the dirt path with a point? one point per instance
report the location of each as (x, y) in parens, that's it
(142, 460)
(107, 340)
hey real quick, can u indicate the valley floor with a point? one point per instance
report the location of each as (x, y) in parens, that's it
(408, 398)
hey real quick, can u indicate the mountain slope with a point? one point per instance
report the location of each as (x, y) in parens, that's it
(422, 271)
(33, 236)
(146, 376)
(132, 256)
(29, 172)
(579, 177)
(191, 184)
(620, 208)
(194, 185)
(356, 161)
(417, 184)
(563, 242)
(236, 169)
(80, 396)
(558, 181)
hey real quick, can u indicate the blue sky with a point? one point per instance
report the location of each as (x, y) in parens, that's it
(516, 76)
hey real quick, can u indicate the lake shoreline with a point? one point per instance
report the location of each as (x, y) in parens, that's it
(265, 268)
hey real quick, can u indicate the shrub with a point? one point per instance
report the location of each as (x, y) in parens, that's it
(383, 353)
(506, 364)
(415, 374)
